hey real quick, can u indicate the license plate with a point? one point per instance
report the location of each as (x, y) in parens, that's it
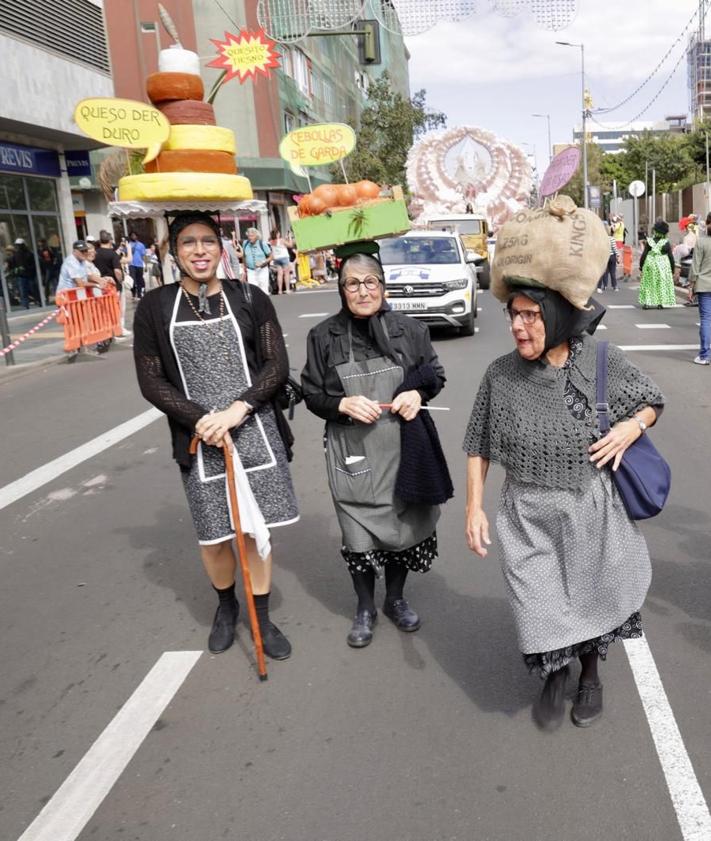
(407, 306)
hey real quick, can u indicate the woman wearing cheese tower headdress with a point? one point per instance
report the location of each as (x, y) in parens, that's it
(368, 373)
(212, 357)
(576, 567)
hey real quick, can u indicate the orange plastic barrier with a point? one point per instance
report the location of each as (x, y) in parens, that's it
(89, 315)
(627, 261)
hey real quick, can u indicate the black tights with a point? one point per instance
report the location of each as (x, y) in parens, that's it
(364, 585)
(588, 674)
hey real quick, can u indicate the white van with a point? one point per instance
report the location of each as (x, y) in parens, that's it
(429, 276)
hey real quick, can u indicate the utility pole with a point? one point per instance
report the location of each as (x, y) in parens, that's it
(585, 114)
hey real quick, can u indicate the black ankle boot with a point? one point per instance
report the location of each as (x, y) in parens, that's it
(361, 632)
(401, 615)
(222, 634)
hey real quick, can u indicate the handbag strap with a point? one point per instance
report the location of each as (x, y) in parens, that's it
(602, 407)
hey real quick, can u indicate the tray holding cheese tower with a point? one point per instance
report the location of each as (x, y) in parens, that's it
(338, 213)
(197, 164)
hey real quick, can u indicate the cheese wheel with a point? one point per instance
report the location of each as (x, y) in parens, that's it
(193, 160)
(163, 87)
(201, 137)
(184, 186)
(177, 60)
(189, 112)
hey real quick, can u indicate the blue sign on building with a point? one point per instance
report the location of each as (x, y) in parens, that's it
(28, 160)
(78, 163)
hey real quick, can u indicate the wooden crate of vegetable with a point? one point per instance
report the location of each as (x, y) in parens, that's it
(338, 213)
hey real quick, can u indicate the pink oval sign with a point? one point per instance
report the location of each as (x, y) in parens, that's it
(562, 168)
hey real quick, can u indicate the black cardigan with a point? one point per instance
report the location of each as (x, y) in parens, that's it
(157, 369)
(327, 346)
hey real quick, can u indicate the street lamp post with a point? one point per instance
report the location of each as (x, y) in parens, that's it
(550, 147)
(585, 145)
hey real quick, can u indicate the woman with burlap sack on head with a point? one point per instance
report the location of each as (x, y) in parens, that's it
(576, 567)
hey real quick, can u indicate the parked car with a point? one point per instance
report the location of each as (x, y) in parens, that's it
(430, 276)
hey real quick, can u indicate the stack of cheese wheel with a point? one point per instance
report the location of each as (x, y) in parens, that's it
(198, 159)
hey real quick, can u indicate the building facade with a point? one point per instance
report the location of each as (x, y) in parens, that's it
(49, 62)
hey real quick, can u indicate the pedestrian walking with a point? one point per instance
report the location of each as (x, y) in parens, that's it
(137, 265)
(700, 286)
(107, 260)
(656, 287)
(619, 232)
(22, 269)
(213, 359)
(610, 273)
(230, 267)
(281, 259)
(368, 372)
(576, 567)
(257, 257)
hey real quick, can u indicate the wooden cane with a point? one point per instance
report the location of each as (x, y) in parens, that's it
(242, 552)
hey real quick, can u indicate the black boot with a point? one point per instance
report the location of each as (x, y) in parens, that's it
(587, 707)
(549, 709)
(222, 634)
(361, 632)
(396, 607)
(276, 645)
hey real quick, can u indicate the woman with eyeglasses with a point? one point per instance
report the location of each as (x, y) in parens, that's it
(576, 567)
(369, 371)
(211, 356)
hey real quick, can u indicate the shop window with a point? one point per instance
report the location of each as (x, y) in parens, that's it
(43, 194)
(12, 196)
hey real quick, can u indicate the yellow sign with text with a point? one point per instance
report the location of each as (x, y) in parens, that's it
(317, 145)
(123, 122)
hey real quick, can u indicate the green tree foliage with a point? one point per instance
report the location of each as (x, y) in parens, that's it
(389, 124)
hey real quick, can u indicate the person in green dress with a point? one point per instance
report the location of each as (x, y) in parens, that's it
(656, 288)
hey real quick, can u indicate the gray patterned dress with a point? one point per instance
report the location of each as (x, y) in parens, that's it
(213, 366)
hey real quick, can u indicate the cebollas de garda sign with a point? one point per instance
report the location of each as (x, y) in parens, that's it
(317, 145)
(123, 122)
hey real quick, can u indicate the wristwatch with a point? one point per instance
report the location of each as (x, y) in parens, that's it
(642, 424)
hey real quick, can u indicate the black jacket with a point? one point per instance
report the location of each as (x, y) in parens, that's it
(327, 346)
(157, 369)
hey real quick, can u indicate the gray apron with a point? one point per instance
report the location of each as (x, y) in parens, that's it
(363, 461)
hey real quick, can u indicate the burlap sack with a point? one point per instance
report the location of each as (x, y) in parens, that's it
(560, 246)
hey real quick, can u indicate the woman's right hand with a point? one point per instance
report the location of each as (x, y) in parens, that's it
(477, 531)
(360, 408)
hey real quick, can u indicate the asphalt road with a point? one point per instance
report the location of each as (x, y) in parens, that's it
(423, 737)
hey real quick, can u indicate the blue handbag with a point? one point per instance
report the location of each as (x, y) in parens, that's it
(643, 477)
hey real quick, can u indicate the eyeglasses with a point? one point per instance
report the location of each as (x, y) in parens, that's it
(353, 284)
(527, 316)
(191, 243)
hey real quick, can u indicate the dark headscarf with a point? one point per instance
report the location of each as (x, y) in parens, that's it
(560, 318)
(179, 223)
(376, 331)
(661, 228)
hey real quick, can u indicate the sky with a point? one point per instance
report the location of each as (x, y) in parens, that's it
(495, 72)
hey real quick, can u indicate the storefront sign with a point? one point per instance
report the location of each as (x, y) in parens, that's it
(317, 145)
(28, 160)
(245, 55)
(78, 163)
(123, 122)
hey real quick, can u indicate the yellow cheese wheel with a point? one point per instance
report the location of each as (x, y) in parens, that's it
(163, 87)
(184, 186)
(216, 138)
(193, 160)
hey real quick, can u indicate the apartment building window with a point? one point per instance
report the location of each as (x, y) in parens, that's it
(287, 62)
(289, 122)
(302, 72)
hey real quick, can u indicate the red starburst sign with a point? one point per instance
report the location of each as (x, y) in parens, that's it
(245, 55)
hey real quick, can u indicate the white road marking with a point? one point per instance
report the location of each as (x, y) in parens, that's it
(659, 347)
(653, 326)
(620, 307)
(81, 794)
(47, 472)
(691, 809)
(601, 327)
(313, 315)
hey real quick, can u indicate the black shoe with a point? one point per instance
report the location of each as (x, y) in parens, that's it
(549, 709)
(222, 634)
(361, 632)
(276, 645)
(402, 615)
(587, 707)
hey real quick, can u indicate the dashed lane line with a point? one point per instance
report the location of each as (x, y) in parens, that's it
(659, 347)
(80, 795)
(313, 314)
(47, 472)
(653, 326)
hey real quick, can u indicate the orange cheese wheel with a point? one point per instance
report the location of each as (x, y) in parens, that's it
(164, 87)
(193, 160)
(188, 112)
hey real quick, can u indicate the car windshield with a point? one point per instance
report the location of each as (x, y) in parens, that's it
(458, 226)
(418, 250)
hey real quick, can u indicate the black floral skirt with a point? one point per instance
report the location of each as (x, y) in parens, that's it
(550, 661)
(416, 558)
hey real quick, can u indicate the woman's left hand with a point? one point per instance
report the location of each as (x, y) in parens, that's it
(213, 427)
(407, 404)
(614, 444)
